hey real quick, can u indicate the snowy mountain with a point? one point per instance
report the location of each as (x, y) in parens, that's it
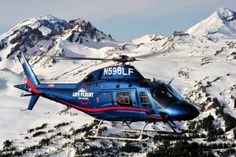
(221, 23)
(201, 62)
(52, 35)
(29, 32)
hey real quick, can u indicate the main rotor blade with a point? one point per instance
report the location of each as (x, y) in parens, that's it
(82, 58)
(122, 59)
(75, 58)
(153, 58)
(129, 59)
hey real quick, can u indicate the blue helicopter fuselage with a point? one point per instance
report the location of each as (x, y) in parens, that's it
(114, 93)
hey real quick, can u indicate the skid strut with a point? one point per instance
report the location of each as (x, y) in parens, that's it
(171, 124)
(175, 128)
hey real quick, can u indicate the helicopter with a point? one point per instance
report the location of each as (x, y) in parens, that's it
(117, 93)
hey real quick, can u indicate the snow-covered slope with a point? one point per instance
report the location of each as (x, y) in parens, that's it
(221, 23)
(203, 67)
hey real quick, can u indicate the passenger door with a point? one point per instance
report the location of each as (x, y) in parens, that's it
(126, 98)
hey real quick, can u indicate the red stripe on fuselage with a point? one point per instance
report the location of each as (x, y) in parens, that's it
(156, 117)
(32, 87)
(101, 109)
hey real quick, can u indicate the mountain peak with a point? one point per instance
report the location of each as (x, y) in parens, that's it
(39, 20)
(49, 22)
(222, 23)
(50, 17)
(226, 14)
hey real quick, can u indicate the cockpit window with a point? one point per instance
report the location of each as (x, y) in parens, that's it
(163, 96)
(176, 93)
(145, 100)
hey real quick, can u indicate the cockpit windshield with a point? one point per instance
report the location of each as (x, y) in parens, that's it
(165, 96)
(176, 93)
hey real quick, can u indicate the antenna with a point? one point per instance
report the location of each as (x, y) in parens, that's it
(171, 81)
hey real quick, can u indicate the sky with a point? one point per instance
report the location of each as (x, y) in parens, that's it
(123, 19)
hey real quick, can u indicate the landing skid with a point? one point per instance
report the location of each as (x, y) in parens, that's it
(141, 132)
(155, 132)
(119, 138)
(139, 139)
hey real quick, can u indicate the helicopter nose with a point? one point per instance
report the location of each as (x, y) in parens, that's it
(190, 111)
(183, 111)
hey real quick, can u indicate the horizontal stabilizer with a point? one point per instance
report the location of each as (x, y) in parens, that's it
(24, 95)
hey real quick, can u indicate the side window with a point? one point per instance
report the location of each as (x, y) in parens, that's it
(104, 99)
(88, 78)
(144, 100)
(124, 99)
